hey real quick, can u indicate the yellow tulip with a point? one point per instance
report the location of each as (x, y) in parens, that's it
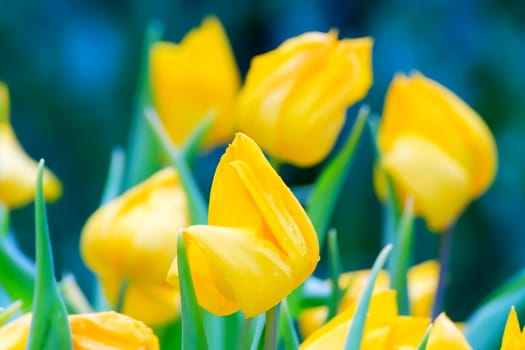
(294, 100)
(384, 329)
(422, 285)
(446, 335)
(435, 148)
(513, 336)
(133, 239)
(193, 78)
(18, 171)
(259, 244)
(103, 330)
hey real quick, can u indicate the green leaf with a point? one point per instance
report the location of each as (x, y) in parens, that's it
(169, 335)
(391, 211)
(334, 264)
(287, 329)
(353, 340)
(257, 335)
(76, 301)
(49, 326)
(196, 202)
(424, 341)
(143, 152)
(517, 281)
(330, 182)
(484, 328)
(401, 255)
(193, 335)
(6, 313)
(194, 142)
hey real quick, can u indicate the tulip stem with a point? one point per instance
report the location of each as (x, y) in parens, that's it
(444, 259)
(270, 329)
(121, 295)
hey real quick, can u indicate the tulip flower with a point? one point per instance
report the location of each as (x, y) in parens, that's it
(103, 330)
(422, 284)
(132, 239)
(259, 244)
(446, 335)
(513, 336)
(18, 171)
(294, 100)
(435, 148)
(193, 78)
(384, 329)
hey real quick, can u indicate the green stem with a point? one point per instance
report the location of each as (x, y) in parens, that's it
(270, 334)
(246, 340)
(121, 296)
(444, 259)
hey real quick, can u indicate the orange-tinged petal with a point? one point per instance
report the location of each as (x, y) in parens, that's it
(295, 97)
(422, 286)
(445, 335)
(195, 77)
(103, 330)
(439, 184)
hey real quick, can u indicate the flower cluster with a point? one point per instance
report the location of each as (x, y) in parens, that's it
(158, 263)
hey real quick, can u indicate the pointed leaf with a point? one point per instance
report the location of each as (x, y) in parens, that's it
(193, 335)
(196, 138)
(335, 270)
(49, 326)
(257, 335)
(287, 329)
(196, 203)
(143, 155)
(353, 340)
(424, 341)
(329, 184)
(6, 313)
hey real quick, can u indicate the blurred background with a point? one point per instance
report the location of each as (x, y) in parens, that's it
(71, 67)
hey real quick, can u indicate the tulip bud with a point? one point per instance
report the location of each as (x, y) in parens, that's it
(295, 98)
(435, 148)
(18, 171)
(193, 78)
(513, 336)
(259, 245)
(133, 238)
(103, 330)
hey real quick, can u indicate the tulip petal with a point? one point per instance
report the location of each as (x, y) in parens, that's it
(439, 184)
(445, 335)
(245, 267)
(512, 336)
(422, 286)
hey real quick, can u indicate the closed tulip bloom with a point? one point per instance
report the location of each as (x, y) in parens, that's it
(435, 148)
(190, 79)
(446, 335)
(294, 100)
(259, 244)
(95, 331)
(18, 171)
(133, 239)
(422, 284)
(513, 336)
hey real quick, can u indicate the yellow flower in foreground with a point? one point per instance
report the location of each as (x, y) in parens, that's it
(259, 244)
(386, 330)
(422, 285)
(295, 97)
(133, 238)
(190, 79)
(103, 330)
(435, 148)
(17, 170)
(513, 337)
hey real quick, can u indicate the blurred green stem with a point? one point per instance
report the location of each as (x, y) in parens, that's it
(121, 296)
(444, 259)
(270, 334)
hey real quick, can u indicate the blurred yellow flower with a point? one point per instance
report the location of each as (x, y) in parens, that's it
(513, 336)
(435, 148)
(259, 245)
(192, 78)
(422, 285)
(103, 330)
(384, 329)
(133, 239)
(17, 170)
(294, 100)
(446, 335)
